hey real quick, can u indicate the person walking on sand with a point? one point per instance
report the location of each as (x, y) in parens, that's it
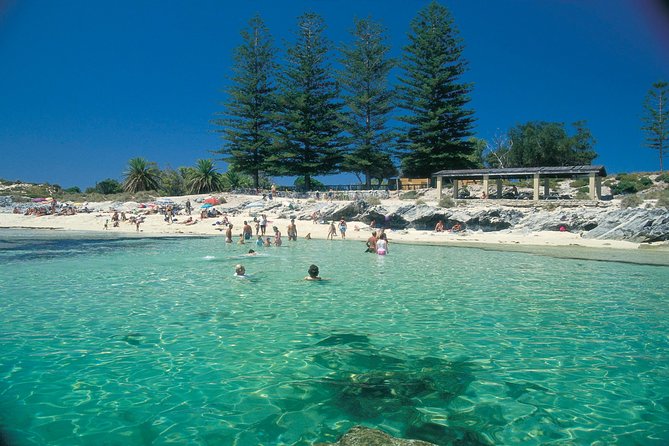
(292, 230)
(332, 232)
(342, 228)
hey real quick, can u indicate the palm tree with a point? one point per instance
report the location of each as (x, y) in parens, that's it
(204, 178)
(141, 175)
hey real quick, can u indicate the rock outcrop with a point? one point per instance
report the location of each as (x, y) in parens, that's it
(633, 224)
(364, 436)
(639, 225)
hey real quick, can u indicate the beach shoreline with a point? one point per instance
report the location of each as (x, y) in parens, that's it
(552, 243)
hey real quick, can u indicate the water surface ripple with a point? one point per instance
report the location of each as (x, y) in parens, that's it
(153, 342)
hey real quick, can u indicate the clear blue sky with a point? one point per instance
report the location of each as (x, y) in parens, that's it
(87, 85)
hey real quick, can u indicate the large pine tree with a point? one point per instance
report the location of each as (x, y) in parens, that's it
(248, 123)
(368, 98)
(438, 123)
(656, 120)
(309, 133)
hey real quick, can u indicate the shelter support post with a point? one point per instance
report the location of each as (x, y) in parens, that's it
(455, 188)
(536, 187)
(440, 184)
(595, 186)
(499, 188)
(485, 184)
(547, 188)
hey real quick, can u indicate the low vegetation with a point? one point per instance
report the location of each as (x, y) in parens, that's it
(631, 201)
(446, 202)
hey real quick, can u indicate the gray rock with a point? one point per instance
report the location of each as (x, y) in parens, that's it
(633, 224)
(364, 436)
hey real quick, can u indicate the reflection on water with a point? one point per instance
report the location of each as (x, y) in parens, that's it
(151, 341)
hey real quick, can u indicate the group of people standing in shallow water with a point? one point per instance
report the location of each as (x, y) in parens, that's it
(376, 244)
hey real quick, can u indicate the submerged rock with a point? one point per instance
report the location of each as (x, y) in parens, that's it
(364, 436)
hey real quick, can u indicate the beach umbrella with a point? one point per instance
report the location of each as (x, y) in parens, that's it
(207, 205)
(211, 200)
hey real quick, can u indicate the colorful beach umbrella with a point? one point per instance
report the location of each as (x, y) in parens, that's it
(207, 205)
(212, 200)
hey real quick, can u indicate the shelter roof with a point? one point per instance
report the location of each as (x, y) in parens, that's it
(522, 172)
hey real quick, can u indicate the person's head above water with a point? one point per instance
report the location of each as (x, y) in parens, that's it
(240, 270)
(313, 271)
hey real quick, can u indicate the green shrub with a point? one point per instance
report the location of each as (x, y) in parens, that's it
(583, 194)
(580, 182)
(663, 177)
(630, 184)
(446, 202)
(625, 186)
(419, 202)
(631, 201)
(645, 182)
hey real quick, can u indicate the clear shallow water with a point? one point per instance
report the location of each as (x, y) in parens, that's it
(152, 341)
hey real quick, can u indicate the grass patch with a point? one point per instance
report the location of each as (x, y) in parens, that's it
(411, 195)
(446, 202)
(373, 201)
(663, 199)
(631, 201)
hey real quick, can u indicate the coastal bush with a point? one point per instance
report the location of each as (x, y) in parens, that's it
(630, 184)
(36, 191)
(583, 193)
(412, 194)
(663, 177)
(420, 201)
(373, 201)
(631, 201)
(578, 183)
(446, 202)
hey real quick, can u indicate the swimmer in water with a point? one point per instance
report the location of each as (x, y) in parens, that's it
(313, 273)
(240, 271)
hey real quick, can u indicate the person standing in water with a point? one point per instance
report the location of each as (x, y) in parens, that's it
(277, 236)
(371, 243)
(292, 230)
(332, 232)
(382, 244)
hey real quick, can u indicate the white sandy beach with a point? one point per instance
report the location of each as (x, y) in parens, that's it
(154, 225)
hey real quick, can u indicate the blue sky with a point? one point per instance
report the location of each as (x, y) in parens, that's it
(87, 85)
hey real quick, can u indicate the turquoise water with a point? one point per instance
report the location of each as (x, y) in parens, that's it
(153, 341)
